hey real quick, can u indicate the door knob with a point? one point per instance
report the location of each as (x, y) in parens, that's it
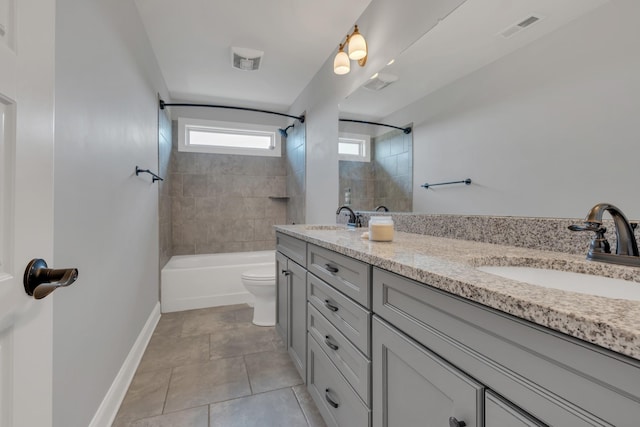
(39, 281)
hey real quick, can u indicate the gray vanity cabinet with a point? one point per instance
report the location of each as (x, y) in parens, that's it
(558, 379)
(412, 386)
(385, 350)
(291, 300)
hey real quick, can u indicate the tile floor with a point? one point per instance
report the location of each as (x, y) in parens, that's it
(212, 367)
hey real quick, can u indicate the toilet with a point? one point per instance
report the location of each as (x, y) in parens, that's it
(261, 282)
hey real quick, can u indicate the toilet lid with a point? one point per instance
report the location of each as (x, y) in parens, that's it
(262, 273)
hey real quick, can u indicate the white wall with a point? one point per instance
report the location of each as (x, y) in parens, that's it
(388, 27)
(549, 130)
(106, 218)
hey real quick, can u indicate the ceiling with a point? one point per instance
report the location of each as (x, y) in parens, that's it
(192, 42)
(466, 40)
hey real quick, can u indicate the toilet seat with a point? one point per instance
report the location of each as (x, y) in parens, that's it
(262, 274)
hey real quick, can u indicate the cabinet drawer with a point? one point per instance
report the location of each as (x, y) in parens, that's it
(348, 317)
(339, 405)
(349, 276)
(499, 412)
(293, 248)
(355, 367)
(413, 386)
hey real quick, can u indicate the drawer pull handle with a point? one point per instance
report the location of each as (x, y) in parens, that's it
(331, 268)
(455, 423)
(329, 343)
(330, 400)
(330, 306)
(286, 272)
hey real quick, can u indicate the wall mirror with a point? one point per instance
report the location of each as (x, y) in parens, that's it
(375, 167)
(476, 35)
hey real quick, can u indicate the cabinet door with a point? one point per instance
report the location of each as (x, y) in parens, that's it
(297, 332)
(499, 413)
(414, 387)
(282, 296)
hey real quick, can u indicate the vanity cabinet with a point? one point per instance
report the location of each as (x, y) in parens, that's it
(557, 379)
(385, 350)
(291, 299)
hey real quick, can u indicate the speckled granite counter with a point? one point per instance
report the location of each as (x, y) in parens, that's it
(449, 265)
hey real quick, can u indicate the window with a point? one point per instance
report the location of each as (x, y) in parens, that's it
(206, 136)
(354, 147)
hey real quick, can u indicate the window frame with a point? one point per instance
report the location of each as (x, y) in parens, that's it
(365, 143)
(186, 124)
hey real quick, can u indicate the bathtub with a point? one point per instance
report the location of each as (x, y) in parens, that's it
(197, 281)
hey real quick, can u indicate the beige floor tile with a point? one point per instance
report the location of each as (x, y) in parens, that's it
(168, 352)
(245, 315)
(309, 408)
(213, 381)
(170, 324)
(240, 341)
(270, 371)
(144, 398)
(273, 409)
(209, 322)
(194, 417)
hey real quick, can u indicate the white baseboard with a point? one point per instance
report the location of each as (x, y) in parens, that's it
(203, 301)
(108, 409)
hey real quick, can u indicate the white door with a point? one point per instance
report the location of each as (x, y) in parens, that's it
(26, 208)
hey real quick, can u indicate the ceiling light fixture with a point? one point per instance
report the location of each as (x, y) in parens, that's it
(357, 52)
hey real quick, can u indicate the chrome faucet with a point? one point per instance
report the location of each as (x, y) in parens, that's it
(599, 249)
(354, 218)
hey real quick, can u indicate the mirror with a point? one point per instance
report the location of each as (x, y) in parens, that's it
(514, 95)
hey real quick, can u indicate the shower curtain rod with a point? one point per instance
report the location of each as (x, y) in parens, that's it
(166, 104)
(406, 130)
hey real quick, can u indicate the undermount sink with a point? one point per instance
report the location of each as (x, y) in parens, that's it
(569, 281)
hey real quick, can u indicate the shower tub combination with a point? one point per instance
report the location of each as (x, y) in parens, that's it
(198, 281)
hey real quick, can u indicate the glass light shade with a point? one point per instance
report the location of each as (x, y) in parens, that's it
(341, 63)
(357, 46)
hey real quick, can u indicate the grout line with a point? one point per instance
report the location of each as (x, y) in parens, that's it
(166, 395)
(246, 369)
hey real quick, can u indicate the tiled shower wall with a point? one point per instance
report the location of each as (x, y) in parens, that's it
(359, 177)
(221, 202)
(296, 171)
(164, 199)
(386, 180)
(394, 171)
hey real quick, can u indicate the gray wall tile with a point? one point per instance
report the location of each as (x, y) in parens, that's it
(220, 203)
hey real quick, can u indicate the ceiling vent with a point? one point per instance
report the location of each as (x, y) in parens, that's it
(521, 25)
(246, 59)
(379, 81)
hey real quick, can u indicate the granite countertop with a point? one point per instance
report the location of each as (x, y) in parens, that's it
(450, 265)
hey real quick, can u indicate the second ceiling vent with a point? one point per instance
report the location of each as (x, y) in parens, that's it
(246, 59)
